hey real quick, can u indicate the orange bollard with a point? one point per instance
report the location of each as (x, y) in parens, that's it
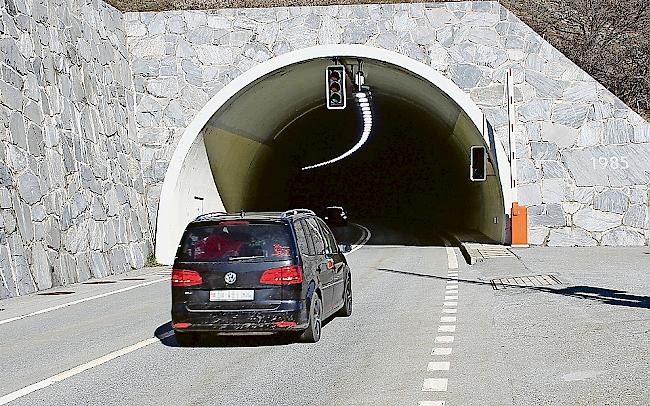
(519, 225)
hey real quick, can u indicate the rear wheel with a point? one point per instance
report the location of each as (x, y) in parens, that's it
(346, 310)
(186, 339)
(312, 333)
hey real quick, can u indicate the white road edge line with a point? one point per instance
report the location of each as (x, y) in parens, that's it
(80, 368)
(452, 260)
(361, 241)
(49, 309)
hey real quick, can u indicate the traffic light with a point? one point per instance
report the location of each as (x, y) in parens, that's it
(478, 164)
(335, 87)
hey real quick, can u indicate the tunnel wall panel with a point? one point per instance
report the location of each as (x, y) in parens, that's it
(565, 118)
(72, 199)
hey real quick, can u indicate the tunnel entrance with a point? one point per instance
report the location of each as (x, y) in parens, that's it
(248, 151)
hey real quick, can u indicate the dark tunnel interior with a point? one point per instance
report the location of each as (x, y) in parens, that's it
(414, 166)
(407, 169)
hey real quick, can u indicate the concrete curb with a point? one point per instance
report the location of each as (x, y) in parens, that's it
(471, 254)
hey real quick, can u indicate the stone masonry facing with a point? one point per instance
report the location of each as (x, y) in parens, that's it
(93, 102)
(71, 187)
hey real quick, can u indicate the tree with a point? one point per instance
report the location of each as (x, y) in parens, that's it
(609, 39)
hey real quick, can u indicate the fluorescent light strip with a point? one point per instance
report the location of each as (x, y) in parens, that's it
(367, 117)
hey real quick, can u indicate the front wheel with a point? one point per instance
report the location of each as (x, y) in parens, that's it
(346, 310)
(312, 333)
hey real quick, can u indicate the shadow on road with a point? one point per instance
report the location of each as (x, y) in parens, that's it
(212, 340)
(603, 295)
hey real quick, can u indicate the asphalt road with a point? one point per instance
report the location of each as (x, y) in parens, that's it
(416, 335)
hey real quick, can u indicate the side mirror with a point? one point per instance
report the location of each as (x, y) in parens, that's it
(345, 248)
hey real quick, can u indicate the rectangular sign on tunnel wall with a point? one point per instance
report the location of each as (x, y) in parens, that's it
(478, 164)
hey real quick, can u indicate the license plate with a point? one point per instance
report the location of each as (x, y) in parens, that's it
(231, 295)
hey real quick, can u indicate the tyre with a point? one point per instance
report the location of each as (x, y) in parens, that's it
(186, 339)
(346, 309)
(313, 330)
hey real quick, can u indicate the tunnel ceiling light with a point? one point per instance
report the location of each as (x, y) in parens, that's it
(364, 105)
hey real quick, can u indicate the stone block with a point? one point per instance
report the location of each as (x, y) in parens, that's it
(554, 169)
(611, 165)
(17, 130)
(559, 134)
(544, 151)
(554, 191)
(637, 216)
(41, 267)
(591, 134)
(611, 200)
(595, 220)
(546, 215)
(570, 237)
(618, 131)
(569, 114)
(623, 237)
(23, 219)
(582, 92)
(529, 194)
(526, 171)
(537, 235)
(465, 76)
(545, 86)
(536, 110)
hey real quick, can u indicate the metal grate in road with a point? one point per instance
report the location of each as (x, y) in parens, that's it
(524, 281)
(488, 251)
(59, 293)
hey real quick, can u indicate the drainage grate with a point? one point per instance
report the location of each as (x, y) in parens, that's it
(55, 293)
(134, 279)
(488, 251)
(524, 281)
(98, 282)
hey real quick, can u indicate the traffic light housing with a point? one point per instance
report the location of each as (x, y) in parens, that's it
(335, 87)
(478, 164)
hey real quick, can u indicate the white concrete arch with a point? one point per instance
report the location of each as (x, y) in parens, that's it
(188, 172)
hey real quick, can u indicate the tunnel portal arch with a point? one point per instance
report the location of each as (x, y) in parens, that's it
(189, 187)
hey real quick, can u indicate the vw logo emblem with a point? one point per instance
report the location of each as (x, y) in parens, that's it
(230, 278)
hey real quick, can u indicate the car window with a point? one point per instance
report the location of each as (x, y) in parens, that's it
(315, 233)
(310, 244)
(236, 240)
(330, 241)
(303, 246)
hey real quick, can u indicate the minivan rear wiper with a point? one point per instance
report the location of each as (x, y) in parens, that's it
(251, 257)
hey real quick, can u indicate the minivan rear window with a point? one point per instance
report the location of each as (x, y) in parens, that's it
(236, 241)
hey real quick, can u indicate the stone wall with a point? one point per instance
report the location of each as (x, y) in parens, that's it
(581, 152)
(71, 188)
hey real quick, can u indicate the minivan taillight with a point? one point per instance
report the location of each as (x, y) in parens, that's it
(183, 277)
(284, 275)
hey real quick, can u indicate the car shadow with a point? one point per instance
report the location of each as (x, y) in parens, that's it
(602, 295)
(166, 336)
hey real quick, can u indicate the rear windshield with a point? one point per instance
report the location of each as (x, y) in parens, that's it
(236, 241)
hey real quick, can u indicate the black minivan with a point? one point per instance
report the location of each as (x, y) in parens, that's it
(258, 273)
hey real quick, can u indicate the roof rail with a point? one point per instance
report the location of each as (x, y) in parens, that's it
(293, 212)
(200, 216)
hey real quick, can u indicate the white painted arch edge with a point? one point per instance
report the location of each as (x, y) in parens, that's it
(167, 239)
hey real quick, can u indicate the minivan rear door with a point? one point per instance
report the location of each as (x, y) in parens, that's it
(232, 259)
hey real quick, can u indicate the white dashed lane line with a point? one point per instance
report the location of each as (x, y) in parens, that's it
(449, 306)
